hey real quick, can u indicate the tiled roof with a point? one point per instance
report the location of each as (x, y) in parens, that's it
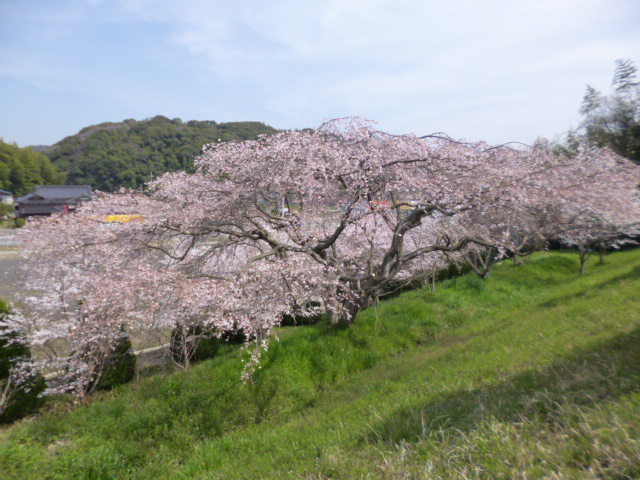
(63, 191)
(58, 194)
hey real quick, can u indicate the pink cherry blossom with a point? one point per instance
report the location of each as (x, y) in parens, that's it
(302, 222)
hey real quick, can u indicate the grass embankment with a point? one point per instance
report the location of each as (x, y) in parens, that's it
(533, 373)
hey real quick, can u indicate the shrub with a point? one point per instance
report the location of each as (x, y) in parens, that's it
(5, 210)
(120, 366)
(104, 371)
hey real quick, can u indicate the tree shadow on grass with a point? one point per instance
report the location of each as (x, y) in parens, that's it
(587, 378)
(632, 274)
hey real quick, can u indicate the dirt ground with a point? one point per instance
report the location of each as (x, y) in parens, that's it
(10, 272)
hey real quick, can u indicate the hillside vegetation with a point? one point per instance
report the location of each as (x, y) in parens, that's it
(130, 153)
(531, 373)
(21, 169)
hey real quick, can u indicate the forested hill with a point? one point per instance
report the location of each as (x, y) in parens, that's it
(130, 153)
(21, 169)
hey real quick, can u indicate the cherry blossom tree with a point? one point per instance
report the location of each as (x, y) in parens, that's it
(298, 222)
(364, 204)
(605, 214)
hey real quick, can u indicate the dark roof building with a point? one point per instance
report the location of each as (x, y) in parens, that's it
(48, 199)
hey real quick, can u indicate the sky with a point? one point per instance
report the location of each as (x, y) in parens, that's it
(492, 70)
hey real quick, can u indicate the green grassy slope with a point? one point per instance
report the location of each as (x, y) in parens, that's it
(533, 373)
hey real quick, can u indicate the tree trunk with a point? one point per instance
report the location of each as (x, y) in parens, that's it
(584, 254)
(351, 309)
(603, 251)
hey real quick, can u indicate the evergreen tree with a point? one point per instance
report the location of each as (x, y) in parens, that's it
(611, 120)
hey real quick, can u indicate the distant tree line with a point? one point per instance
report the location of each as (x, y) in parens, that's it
(130, 153)
(21, 169)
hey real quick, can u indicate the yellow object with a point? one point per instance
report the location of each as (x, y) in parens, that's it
(122, 218)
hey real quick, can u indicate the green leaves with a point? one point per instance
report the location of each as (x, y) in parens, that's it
(131, 153)
(613, 120)
(21, 169)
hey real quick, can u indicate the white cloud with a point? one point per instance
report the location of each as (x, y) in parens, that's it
(494, 68)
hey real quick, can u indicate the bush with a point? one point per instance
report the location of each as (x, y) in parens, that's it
(118, 368)
(19, 396)
(5, 210)
(121, 365)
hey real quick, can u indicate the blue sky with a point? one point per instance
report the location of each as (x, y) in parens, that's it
(493, 70)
